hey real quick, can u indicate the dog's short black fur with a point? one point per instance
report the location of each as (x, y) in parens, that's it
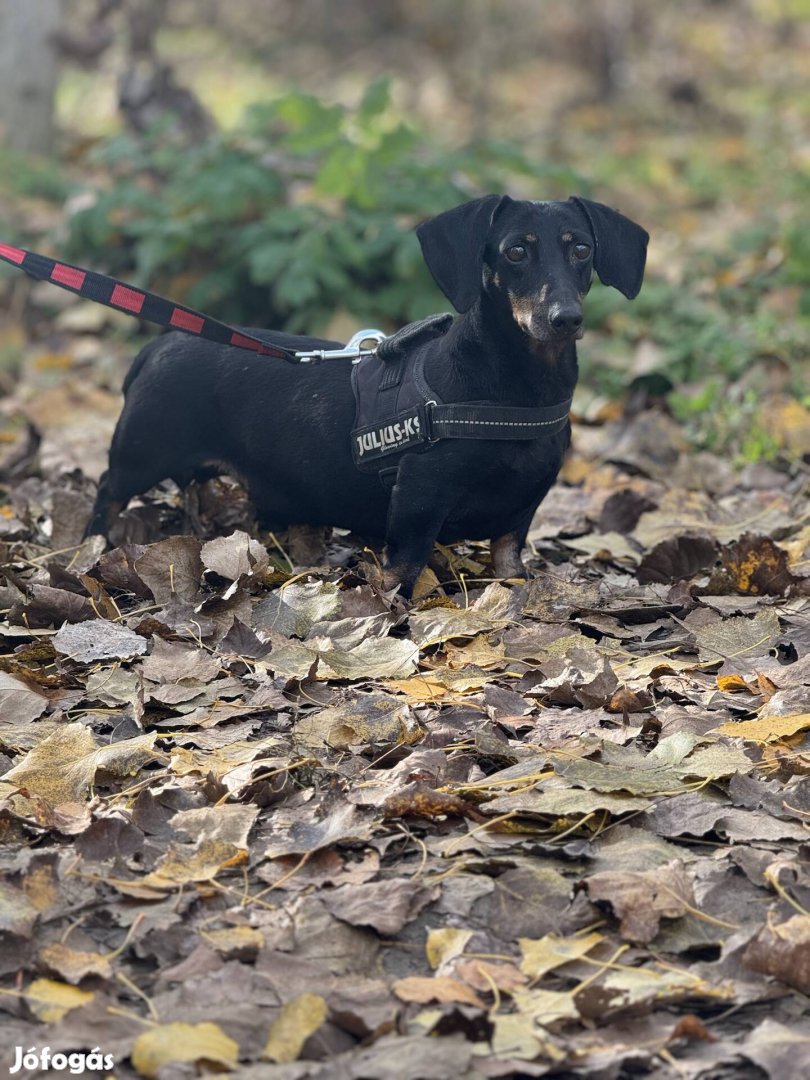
(517, 271)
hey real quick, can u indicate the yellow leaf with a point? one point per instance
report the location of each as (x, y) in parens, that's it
(184, 863)
(788, 422)
(638, 986)
(235, 940)
(515, 1036)
(546, 1007)
(541, 955)
(50, 1000)
(426, 583)
(183, 1042)
(41, 888)
(446, 684)
(766, 728)
(731, 684)
(52, 361)
(62, 767)
(445, 944)
(299, 1018)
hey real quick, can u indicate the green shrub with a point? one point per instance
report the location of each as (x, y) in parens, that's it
(306, 209)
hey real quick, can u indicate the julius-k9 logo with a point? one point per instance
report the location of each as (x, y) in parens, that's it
(388, 437)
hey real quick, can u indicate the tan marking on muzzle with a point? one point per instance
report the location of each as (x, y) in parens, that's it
(523, 311)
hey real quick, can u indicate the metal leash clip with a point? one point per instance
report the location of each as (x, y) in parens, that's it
(353, 349)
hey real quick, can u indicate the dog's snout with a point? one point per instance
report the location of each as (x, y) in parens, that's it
(565, 318)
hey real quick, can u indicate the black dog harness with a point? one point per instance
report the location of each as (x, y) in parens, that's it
(397, 410)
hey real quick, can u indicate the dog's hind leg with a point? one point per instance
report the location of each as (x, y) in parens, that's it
(105, 509)
(117, 486)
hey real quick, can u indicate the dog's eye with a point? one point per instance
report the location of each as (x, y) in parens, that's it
(582, 251)
(516, 253)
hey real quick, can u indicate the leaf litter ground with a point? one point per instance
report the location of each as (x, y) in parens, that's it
(259, 817)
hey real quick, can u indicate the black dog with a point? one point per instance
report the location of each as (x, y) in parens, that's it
(474, 466)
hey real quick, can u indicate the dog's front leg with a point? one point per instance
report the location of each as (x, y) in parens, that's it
(505, 551)
(416, 514)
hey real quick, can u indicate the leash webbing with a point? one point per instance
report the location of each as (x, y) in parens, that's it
(141, 304)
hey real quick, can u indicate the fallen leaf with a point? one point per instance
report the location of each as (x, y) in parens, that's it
(386, 906)
(783, 950)
(235, 556)
(640, 900)
(74, 965)
(732, 684)
(486, 977)
(565, 803)
(299, 833)
(445, 944)
(541, 955)
(171, 569)
(204, 1044)
(294, 609)
(766, 728)
(46, 606)
(18, 915)
(62, 768)
(368, 720)
(50, 1000)
(299, 1019)
(738, 636)
(548, 1008)
(98, 639)
(677, 558)
(755, 565)
(20, 703)
(441, 988)
(629, 987)
(241, 942)
(781, 1050)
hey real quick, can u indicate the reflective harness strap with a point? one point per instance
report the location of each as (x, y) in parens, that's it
(495, 421)
(423, 425)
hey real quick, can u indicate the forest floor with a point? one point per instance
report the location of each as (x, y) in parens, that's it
(258, 817)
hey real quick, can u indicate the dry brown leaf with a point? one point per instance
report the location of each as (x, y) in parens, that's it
(441, 988)
(783, 950)
(487, 976)
(640, 900)
(74, 965)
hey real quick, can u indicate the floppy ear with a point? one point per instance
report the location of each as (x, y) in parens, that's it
(453, 248)
(620, 246)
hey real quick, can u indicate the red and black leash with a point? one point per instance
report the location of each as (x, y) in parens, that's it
(138, 302)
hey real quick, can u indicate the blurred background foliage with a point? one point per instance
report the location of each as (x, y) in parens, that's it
(266, 161)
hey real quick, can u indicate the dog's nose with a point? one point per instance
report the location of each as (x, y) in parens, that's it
(565, 318)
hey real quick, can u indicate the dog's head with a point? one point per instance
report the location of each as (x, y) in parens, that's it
(536, 259)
